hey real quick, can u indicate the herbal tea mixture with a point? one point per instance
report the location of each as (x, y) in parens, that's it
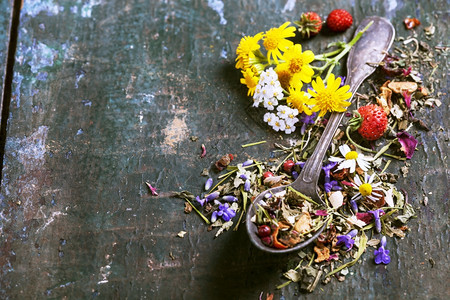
(296, 89)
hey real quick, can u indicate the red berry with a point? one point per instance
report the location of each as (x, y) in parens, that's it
(310, 24)
(374, 122)
(264, 231)
(267, 240)
(339, 20)
(267, 174)
(288, 165)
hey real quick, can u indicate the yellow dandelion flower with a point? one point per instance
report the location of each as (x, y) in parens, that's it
(250, 80)
(330, 98)
(299, 100)
(297, 62)
(276, 39)
(245, 50)
(284, 76)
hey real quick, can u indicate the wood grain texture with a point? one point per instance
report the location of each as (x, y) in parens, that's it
(107, 96)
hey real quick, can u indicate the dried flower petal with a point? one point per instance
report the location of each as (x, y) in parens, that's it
(408, 143)
(152, 189)
(247, 163)
(208, 183)
(410, 23)
(203, 151)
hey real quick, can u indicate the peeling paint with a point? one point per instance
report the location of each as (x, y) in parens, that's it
(42, 56)
(175, 132)
(50, 219)
(86, 9)
(32, 150)
(33, 8)
(18, 82)
(218, 6)
(289, 6)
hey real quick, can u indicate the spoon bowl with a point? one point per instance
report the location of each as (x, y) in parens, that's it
(370, 48)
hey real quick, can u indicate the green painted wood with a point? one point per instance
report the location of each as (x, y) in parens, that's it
(5, 12)
(107, 97)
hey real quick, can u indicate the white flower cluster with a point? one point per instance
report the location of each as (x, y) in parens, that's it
(268, 91)
(284, 120)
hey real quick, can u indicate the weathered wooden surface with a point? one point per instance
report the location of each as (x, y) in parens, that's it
(107, 96)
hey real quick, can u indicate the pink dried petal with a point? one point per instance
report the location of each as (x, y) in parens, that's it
(408, 142)
(407, 97)
(152, 189)
(334, 256)
(203, 151)
(321, 213)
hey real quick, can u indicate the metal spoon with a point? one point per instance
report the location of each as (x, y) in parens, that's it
(371, 47)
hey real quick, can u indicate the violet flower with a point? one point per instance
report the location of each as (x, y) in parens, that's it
(201, 201)
(294, 174)
(347, 239)
(224, 212)
(300, 163)
(376, 216)
(382, 255)
(342, 81)
(306, 120)
(327, 168)
(354, 206)
(408, 143)
(247, 185)
(331, 186)
(230, 198)
(212, 196)
(208, 183)
(243, 176)
(247, 163)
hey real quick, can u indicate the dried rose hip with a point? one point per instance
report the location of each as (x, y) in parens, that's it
(288, 165)
(267, 240)
(264, 231)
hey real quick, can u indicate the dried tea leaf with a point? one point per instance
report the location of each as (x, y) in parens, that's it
(408, 213)
(373, 242)
(181, 234)
(293, 275)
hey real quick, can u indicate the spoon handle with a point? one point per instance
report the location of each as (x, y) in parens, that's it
(312, 167)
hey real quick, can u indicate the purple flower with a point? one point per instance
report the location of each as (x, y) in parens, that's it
(230, 198)
(212, 196)
(347, 239)
(243, 176)
(408, 143)
(354, 206)
(224, 212)
(306, 120)
(208, 183)
(300, 163)
(247, 163)
(327, 168)
(342, 80)
(294, 174)
(247, 185)
(376, 216)
(201, 201)
(332, 186)
(382, 255)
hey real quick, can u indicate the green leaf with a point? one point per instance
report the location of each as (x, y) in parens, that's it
(408, 213)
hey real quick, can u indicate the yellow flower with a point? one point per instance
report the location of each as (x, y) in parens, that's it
(299, 100)
(330, 98)
(284, 76)
(250, 80)
(245, 49)
(297, 62)
(275, 40)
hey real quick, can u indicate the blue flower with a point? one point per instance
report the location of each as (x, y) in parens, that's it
(306, 120)
(327, 168)
(247, 185)
(382, 255)
(347, 239)
(208, 184)
(247, 163)
(332, 185)
(376, 216)
(354, 206)
(212, 196)
(224, 211)
(294, 174)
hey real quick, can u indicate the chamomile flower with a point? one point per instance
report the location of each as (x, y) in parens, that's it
(269, 76)
(275, 41)
(331, 97)
(270, 118)
(279, 124)
(367, 189)
(351, 159)
(292, 116)
(250, 80)
(298, 63)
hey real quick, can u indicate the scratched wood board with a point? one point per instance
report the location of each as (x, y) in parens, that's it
(109, 95)
(5, 12)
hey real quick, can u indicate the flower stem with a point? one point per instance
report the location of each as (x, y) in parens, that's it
(197, 211)
(253, 144)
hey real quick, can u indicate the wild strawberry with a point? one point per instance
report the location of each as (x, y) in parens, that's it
(267, 174)
(339, 20)
(288, 165)
(371, 122)
(310, 24)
